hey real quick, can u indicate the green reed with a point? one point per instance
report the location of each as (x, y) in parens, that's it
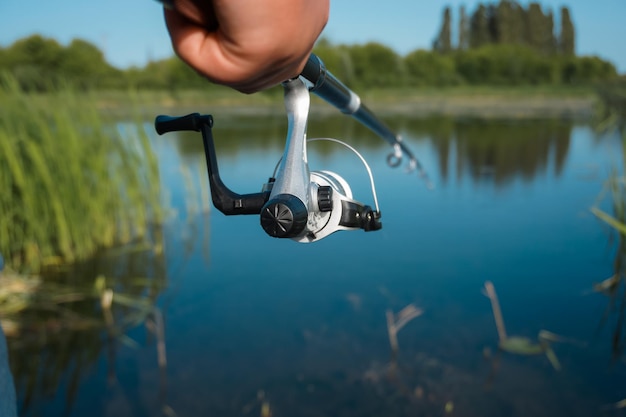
(614, 287)
(71, 182)
(611, 116)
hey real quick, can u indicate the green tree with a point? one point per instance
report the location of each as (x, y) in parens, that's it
(36, 50)
(567, 35)
(501, 64)
(549, 42)
(464, 30)
(34, 62)
(83, 64)
(39, 63)
(429, 68)
(509, 22)
(586, 70)
(443, 42)
(4, 59)
(376, 65)
(167, 74)
(479, 28)
(540, 29)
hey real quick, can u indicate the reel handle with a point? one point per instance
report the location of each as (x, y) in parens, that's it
(194, 121)
(224, 199)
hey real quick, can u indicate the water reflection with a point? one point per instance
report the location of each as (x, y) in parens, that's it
(492, 150)
(67, 326)
(500, 151)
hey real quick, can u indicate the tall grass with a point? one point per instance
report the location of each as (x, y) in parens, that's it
(71, 182)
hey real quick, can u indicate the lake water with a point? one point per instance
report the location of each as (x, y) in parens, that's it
(252, 321)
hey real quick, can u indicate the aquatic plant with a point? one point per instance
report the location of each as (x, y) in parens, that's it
(72, 182)
(395, 322)
(60, 324)
(611, 116)
(517, 344)
(614, 287)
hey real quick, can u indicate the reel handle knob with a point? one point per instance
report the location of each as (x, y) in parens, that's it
(284, 216)
(194, 122)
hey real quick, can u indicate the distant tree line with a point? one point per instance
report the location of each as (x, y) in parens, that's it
(40, 63)
(507, 22)
(488, 52)
(505, 43)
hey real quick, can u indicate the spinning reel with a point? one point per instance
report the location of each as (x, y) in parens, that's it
(297, 203)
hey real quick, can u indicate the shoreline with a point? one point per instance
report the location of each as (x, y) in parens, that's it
(489, 107)
(489, 104)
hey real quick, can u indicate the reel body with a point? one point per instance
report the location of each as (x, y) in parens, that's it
(331, 208)
(337, 211)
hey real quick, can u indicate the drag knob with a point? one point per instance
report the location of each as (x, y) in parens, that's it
(284, 216)
(325, 198)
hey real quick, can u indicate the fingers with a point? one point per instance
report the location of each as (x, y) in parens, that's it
(247, 48)
(210, 55)
(269, 75)
(201, 12)
(202, 50)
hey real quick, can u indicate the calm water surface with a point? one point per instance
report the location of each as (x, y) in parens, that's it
(250, 319)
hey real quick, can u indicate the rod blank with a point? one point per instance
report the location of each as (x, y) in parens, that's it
(329, 88)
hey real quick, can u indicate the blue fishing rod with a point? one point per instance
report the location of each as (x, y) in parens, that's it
(326, 86)
(297, 203)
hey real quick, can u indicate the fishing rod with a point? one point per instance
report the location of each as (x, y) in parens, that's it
(326, 86)
(297, 203)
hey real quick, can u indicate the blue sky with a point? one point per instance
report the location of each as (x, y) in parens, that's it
(131, 32)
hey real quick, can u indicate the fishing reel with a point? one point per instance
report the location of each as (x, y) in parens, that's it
(295, 203)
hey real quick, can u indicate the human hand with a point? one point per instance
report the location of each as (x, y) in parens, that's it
(249, 45)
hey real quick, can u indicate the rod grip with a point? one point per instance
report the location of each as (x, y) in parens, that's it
(329, 88)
